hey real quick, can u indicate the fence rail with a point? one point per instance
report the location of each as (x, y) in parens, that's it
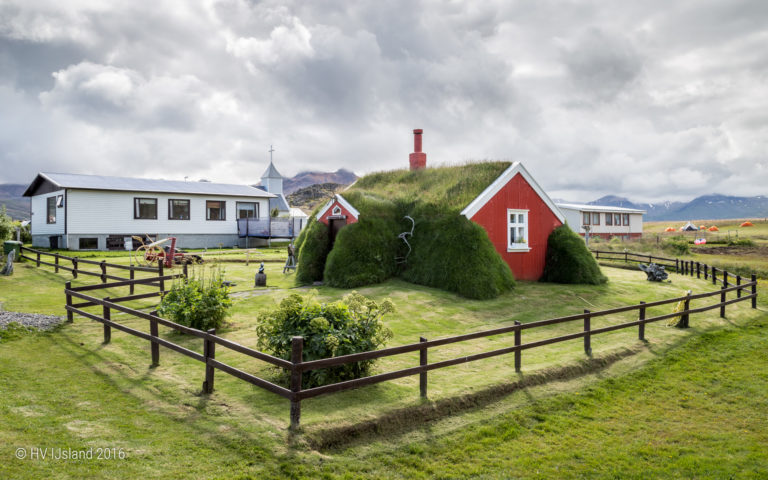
(297, 367)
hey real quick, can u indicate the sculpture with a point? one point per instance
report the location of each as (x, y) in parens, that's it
(8, 268)
(654, 272)
(261, 277)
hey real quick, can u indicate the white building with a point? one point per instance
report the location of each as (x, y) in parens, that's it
(603, 221)
(90, 212)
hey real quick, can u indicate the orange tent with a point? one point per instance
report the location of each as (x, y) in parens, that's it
(669, 229)
(702, 227)
(747, 224)
(713, 229)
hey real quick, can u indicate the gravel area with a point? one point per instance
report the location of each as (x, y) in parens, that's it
(35, 320)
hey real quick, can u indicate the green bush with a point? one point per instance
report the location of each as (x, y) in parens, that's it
(6, 225)
(569, 261)
(455, 254)
(352, 325)
(26, 234)
(198, 303)
(741, 242)
(313, 249)
(676, 245)
(363, 253)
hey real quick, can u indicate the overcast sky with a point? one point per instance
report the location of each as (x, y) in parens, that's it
(646, 99)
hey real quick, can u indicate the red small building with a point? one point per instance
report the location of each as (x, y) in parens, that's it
(337, 213)
(518, 216)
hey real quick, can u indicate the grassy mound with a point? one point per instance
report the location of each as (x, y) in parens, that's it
(569, 261)
(455, 254)
(312, 247)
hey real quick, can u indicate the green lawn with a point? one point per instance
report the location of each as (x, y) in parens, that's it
(650, 407)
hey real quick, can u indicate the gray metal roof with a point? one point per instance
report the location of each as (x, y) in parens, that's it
(280, 203)
(271, 172)
(99, 182)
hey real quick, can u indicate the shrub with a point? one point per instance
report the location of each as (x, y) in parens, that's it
(456, 254)
(26, 234)
(676, 245)
(314, 246)
(352, 325)
(569, 261)
(741, 242)
(197, 303)
(363, 254)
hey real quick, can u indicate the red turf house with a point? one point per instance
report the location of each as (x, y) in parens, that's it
(517, 214)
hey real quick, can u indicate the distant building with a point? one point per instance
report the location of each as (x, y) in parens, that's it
(603, 221)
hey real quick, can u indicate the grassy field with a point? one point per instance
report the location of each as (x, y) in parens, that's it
(688, 403)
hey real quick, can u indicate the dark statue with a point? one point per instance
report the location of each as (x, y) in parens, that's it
(654, 272)
(261, 277)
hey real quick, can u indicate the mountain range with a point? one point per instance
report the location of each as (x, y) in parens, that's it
(305, 179)
(706, 207)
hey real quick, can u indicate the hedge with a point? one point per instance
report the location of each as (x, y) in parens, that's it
(569, 261)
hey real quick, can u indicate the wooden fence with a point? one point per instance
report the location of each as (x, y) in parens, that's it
(77, 268)
(297, 367)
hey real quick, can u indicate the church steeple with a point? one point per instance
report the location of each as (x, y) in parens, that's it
(271, 178)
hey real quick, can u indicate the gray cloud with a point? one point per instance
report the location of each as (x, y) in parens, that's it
(650, 100)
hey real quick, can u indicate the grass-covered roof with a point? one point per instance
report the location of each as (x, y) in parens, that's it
(442, 190)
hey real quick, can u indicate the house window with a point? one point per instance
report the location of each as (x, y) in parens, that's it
(51, 210)
(609, 219)
(517, 230)
(215, 210)
(60, 201)
(617, 219)
(178, 209)
(247, 210)
(336, 210)
(595, 218)
(625, 219)
(145, 208)
(89, 243)
(586, 218)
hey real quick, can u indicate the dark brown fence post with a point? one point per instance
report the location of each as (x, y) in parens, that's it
(132, 276)
(685, 318)
(74, 267)
(185, 270)
(714, 276)
(587, 337)
(641, 326)
(698, 270)
(677, 265)
(518, 353)
(297, 347)
(160, 274)
(103, 266)
(706, 271)
(754, 291)
(725, 278)
(209, 351)
(722, 302)
(154, 346)
(70, 315)
(738, 284)
(423, 375)
(38, 259)
(691, 269)
(56, 262)
(626, 258)
(107, 316)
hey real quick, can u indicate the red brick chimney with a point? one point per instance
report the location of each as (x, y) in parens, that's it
(418, 158)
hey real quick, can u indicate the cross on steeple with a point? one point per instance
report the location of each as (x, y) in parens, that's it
(270, 153)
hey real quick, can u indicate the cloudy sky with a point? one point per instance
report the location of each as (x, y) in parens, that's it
(650, 100)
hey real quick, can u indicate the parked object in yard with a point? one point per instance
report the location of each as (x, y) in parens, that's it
(290, 263)
(700, 241)
(654, 272)
(8, 268)
(150, 254)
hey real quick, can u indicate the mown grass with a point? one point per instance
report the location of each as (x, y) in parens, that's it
(66, 389)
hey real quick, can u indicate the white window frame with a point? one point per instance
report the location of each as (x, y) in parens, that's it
(521, 246)
(336, 210)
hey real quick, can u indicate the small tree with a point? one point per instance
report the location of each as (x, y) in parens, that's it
(6, 225)
(352, 325)
(569, 261)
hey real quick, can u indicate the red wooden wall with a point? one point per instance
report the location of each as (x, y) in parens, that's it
(329, 213)
(517, 193)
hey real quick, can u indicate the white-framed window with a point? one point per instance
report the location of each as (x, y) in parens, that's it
(336, 210)
(517, 230)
